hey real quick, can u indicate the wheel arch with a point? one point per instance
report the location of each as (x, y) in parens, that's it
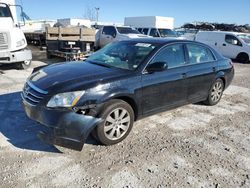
(131, 102)
(221, 75)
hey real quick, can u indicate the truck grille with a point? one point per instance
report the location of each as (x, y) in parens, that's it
(32, 95)
(3, 41)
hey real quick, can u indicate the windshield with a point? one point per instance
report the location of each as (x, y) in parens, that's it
(127, 30)
(123, 55)
(4, 10)
(167, 33)
(245, 38)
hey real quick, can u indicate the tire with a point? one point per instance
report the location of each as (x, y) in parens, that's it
(118, 121)
(243, 58)
(215, 93)
(48, 55)
(23, 65)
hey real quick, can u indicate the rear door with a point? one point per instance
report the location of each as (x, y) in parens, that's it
(201, 71)
(166, 89)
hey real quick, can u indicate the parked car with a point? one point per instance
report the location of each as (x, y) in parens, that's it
(230, 44)
(111, 33)
(122, 83)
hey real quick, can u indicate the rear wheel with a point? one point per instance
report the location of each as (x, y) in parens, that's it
(243, 58)
(215, 93)
(118, 119)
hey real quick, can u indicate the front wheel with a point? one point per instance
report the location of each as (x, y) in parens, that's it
(215, 93)
(118, 119)
(24, 65)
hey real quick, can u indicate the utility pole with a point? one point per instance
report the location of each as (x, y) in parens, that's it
(97, 14)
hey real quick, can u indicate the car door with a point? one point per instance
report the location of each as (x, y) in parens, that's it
(165, 89)
(201, 71)
(108, 35)
(231, 46)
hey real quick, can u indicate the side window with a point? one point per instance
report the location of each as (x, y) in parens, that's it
(145, 31)
(173, 55)
(154, 33)
(230, 39)
(199, 54)
(109, 30)
(139, 29)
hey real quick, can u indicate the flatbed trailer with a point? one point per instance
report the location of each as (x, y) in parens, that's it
(36, 38)
(69, 43)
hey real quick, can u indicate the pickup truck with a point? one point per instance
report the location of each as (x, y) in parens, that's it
(108, 34)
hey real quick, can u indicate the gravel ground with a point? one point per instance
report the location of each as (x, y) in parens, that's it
(192, 146)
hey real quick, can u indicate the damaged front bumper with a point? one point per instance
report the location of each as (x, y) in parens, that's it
(64, 127)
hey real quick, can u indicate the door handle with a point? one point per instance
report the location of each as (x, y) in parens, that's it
(223, 44)
(215, 44)
(184, 75)
(214, 69)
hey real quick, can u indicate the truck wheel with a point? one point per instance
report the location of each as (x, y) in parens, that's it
(243, 58)
(118, 119)
(49, 56)
(24, 65)
(215, 93)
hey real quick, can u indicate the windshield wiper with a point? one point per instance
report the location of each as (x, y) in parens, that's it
(100, 64)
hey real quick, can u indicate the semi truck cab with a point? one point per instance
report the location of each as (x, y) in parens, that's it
(13, 44)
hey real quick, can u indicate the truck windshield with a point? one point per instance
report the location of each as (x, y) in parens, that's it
(127, 30)
(4, 10)
(167, 33)
(245, 38)
(123, 55)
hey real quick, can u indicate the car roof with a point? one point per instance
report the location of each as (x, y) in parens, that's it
(224, 32)
(161, 41)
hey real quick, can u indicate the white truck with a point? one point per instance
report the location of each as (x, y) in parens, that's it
(111, 33)
(12, 40)
(155, 26)
(230, 44)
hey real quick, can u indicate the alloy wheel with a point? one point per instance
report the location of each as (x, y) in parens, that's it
(216, 91)
(117, 124)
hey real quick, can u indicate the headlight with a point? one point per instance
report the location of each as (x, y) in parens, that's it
(65, 99)
(20, 43)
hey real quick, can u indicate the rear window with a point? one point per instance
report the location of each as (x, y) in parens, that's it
(127, 30)
(199, 54)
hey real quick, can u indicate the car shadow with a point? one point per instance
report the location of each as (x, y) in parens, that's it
(19, 130)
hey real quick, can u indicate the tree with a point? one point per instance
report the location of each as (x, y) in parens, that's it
(90, 13)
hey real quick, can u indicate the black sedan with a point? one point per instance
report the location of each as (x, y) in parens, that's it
(121, 83)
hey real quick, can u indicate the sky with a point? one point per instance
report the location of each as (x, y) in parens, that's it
(183, 11)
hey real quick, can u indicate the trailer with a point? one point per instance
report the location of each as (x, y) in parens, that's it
(34, 31)
(150, 22)
(71, 43)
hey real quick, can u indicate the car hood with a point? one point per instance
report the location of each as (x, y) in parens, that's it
(72, 76)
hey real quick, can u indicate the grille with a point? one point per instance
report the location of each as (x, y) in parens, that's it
(3, 41)
(32, 95)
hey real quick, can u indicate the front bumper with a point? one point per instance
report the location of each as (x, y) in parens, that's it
(17, 56)
(65, 127)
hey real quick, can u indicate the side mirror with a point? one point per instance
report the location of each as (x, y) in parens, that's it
(157, 67)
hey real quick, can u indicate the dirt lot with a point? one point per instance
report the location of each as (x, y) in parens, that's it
(192, 146)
